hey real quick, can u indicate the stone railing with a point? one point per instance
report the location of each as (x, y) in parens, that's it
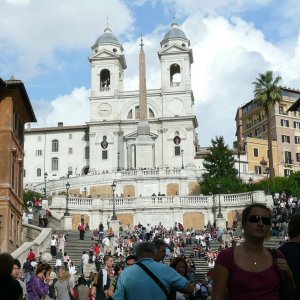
(35, 238)
(96, 177)
(201, 201)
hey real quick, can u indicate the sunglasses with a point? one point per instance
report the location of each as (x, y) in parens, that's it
(256, 219)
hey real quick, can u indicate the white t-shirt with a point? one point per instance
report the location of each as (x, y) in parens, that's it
(85, 258)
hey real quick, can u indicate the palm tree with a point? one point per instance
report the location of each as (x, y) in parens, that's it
(266, 93)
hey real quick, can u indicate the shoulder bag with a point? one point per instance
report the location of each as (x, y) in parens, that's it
(285, 293)
(158, 282)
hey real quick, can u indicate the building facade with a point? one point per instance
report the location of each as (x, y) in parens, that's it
(251, 125)
(15, 111)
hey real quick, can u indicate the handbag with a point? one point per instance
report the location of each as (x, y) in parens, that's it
(285, 293)
(158, 282)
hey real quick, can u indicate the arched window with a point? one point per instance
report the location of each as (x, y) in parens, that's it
(54, 145)
(38, 172)
(136, 113)
(104, 80)
(175, 75)
(54, 164)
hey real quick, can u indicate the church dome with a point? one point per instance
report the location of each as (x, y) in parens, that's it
(107, 38)
(174, 33)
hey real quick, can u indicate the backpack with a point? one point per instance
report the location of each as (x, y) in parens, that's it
(202, 293)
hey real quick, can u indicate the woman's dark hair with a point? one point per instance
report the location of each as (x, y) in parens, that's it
(6, 264)
(294, 226)
(43, 268)
(81, 280)
(118, 267)
(247, 210)
(175, 261)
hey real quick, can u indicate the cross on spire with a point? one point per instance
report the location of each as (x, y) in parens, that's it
(141, 44)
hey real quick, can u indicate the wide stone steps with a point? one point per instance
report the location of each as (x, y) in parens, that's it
(75, 247)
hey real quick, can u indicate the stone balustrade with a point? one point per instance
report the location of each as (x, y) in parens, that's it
(35, 238)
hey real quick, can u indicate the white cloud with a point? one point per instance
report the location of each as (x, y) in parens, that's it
(37, 33)
(73, 109)
(228, 53)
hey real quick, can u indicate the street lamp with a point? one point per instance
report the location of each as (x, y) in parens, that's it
(113, 187)
(45, 187)
(182, 167)
(220, 215)
(268, 179)
(67, 199)
(250, 182)
(118, 169)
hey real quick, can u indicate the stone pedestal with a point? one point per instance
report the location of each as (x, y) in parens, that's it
(114, 224)
(221, 223)
(67, 222)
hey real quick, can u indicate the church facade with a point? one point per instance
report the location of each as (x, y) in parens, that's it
(147, 129)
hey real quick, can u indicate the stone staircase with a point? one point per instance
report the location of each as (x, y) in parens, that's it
(75, 246)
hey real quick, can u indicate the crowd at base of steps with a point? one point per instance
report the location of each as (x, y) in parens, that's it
(172, 244)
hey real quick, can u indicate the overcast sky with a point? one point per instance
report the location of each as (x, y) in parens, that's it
(46, 44)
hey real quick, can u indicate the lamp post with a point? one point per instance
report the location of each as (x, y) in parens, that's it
(220, 215)
(250, 182)
(268, 179)
(67, 199)
(118, 169)
(113, 187)
(45, 187)
(182, 151)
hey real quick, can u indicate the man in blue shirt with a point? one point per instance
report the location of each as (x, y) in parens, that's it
(134, 283)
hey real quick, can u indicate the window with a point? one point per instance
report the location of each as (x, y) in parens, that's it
(87, 153)
(177, 150)
(104, 154)
(281, 110)
(38, 172)
(104, 80)
(24, 173)
(287, 172)
(11, 226)
(257, 131)
(285, 123)
(54, 164)
(257, 169)
(70, 136)
(255, 152)
(136, 113)
(285, 139)
(175, 75)
(86, 135)
(297, 125)
(298, 157)
(288, 157)
(70, 150)
(70, 171)
(55, 146)
(39, 152)
(297, 139)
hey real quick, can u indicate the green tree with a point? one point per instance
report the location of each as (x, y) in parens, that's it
(29, 195)
(219, 164)
(266, 93)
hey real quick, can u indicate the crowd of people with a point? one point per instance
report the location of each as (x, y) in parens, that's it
(153, 258)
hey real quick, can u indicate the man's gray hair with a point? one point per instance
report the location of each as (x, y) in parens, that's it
(144, 247)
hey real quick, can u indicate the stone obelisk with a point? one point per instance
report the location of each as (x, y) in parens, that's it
(144, 143)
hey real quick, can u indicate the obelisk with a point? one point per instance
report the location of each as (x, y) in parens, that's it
(144, 143)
